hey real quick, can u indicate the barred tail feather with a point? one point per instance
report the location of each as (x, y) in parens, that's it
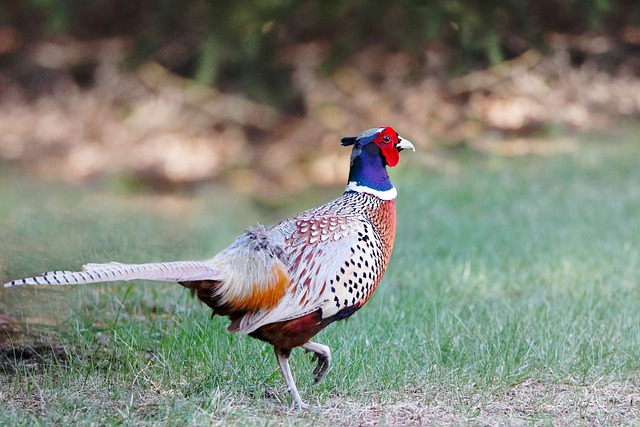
(179, 271)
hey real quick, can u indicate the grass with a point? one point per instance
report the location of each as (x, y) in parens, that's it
(512, 298)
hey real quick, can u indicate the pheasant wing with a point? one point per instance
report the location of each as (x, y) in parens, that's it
(322, 254)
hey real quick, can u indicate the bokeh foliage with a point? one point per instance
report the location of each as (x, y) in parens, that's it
(243, 44)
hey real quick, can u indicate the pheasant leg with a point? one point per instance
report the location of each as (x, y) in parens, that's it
(283, 360)
(322, 354)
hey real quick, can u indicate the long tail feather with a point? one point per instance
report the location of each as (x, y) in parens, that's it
(179, 271)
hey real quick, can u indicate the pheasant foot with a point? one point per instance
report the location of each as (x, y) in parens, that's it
(321, 354)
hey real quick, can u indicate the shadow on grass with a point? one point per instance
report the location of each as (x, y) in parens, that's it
(35, 357)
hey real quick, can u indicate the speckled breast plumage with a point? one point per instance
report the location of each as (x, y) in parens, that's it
(340, 251)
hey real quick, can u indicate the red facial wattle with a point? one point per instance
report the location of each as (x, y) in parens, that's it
(387, 140)
(391, 154)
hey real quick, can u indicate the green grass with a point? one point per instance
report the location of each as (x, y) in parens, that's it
(512, 296)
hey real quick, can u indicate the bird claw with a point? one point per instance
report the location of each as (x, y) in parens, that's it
(321, 368)
(299, 406)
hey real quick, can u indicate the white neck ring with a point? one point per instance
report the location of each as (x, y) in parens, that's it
(389, 194)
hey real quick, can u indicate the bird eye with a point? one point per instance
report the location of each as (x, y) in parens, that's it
(386, 138)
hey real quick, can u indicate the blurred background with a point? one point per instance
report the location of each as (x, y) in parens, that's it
(157, 130)
(170, 94)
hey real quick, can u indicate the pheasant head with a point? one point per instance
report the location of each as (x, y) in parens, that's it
(373, 151)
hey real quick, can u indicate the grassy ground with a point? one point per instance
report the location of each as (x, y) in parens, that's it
(512, 298)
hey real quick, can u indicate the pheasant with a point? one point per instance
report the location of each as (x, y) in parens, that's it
(284, 284)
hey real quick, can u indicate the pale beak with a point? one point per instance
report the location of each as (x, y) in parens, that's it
(404, 144)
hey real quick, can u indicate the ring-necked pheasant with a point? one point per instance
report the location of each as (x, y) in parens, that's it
(284, 284)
